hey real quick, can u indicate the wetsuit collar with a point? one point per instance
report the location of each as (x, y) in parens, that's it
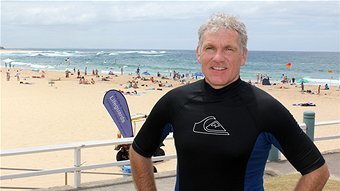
(223, 90)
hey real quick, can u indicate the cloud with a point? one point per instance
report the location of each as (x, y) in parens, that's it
(87, 12)
(58, 13)
(160, 23)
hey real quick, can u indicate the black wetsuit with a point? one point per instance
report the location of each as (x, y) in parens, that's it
(223, 137)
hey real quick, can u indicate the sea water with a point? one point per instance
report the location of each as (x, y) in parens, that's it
(316, 67)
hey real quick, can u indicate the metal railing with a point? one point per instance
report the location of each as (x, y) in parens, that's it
(77, 168)
(77, 147)
(308, 127)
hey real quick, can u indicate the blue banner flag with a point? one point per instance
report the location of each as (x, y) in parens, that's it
(115, 103)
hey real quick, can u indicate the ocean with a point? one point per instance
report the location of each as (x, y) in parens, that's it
(316, 67)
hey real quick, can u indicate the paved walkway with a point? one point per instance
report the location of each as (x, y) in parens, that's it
(166, 180)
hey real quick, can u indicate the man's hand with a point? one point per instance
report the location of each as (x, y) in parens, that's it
(142, 172)
(313, 181)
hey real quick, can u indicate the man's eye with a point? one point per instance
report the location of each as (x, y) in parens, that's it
(209, 48)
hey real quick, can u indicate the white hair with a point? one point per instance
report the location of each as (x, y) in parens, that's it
(220, 20)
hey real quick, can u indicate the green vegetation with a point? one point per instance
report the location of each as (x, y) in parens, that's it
(288, 182)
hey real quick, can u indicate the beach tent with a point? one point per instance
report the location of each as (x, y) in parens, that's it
(302, 80)
(265, 81)
(146, 73)
(8, 60)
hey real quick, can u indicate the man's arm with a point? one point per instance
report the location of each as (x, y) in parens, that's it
(142, 171)
(313, 181)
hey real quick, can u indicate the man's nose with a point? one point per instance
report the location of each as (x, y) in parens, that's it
(219, 56)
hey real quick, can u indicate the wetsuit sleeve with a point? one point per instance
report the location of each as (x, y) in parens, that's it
(295, 144)
(149, 136)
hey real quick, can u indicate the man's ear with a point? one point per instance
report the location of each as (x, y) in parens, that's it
(198, 54)
(244, 56)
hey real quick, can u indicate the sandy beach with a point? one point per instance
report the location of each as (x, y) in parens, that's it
(38, 111)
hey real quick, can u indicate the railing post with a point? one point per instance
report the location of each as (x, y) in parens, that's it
(309, 120)
(273, 154)
(77, 163)
(65, 178)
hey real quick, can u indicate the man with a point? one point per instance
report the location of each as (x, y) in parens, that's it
(224, 127)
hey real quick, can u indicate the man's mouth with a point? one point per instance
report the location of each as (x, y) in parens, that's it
(218, 68)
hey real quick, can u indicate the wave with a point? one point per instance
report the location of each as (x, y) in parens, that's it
(153, 55)
(53, 54)
(41, 66)
(151, 52)
(108, 71)
(147, 52)
(315, 81)
(20, 63)
(33, 66)
(100, 53)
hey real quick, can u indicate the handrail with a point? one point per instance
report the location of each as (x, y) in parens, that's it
(50, 148)
(70, 169)
(323, 123)
(60, 147)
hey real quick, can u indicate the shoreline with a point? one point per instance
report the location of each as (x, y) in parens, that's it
(322, 82)
(166, 61)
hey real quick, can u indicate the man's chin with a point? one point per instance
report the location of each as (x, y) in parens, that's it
(217, 83)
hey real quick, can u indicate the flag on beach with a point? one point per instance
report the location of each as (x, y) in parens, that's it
(115, 103)
(288, 65)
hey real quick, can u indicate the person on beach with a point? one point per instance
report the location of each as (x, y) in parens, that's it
(302, 87)
(17, 75)
(138, 70)
(78, 74)
(224, 127)
(8, 75)
(326, 87)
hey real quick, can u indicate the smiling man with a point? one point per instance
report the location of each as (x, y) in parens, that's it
(221, 59)
(224, 127)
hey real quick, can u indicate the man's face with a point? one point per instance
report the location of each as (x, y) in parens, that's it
(221, 57)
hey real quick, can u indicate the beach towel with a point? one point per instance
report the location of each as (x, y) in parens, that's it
(304, 104)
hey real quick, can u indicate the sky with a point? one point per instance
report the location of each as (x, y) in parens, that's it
(104, 24)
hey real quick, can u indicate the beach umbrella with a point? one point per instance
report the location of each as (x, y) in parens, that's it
(302, 80)
(198, 74)
(8, 60)
(146, 73)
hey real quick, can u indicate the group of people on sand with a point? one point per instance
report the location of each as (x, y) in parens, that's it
(134, 83)
(285, 79)
(131, 84)
(42, 74)
(318, 91)
(95, 72)
(129, 92)
(82, 80)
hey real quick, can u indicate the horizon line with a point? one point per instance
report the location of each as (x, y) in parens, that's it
(28, 49)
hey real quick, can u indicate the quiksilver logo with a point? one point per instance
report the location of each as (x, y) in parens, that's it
(211, 126)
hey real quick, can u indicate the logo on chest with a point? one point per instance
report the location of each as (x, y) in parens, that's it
(210, 126)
